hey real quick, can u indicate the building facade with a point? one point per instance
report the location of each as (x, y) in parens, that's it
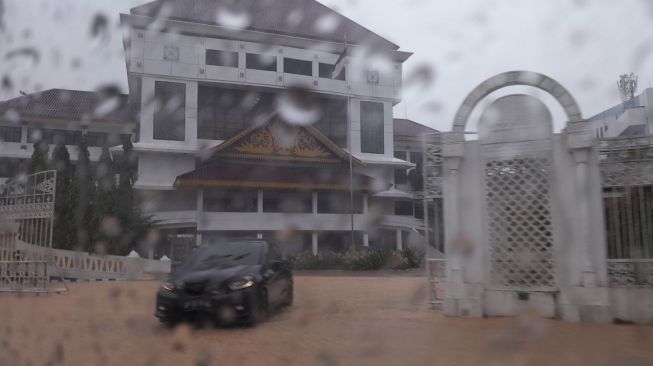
(259, 131)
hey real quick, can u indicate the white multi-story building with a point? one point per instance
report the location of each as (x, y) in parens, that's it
(242, 130)
(626, 120)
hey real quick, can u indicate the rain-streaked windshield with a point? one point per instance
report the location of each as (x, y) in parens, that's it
(224, 256)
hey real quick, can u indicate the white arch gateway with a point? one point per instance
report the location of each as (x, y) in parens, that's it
(523, 214)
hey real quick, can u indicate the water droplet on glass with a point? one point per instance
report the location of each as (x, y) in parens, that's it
(327, 24)
(420, 77)
(7, 84)
(27, 52)
(294, 18)
(296, 107)
(100, 30)
(232, 18)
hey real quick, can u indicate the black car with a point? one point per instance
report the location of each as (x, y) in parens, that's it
(227, 282)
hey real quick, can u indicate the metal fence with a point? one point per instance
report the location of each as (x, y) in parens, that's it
(627, 179)
(27, 216)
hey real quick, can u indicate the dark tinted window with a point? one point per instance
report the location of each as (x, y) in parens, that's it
(274, 254)
(261, 62)
(9, 167)
(416, 175)
(54, 136)
(10, 134)
(372, 134)
(338, 202)
(223, 112)
(222, 58)
(224, 255)
(299, 67)
(401, 177)
(170, 118)
(230, 201)
(404, 208)
(326, 71)
(333, 122)
(287, 201)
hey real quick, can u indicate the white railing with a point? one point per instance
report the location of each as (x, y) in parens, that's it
(83, 266)
(630, 272)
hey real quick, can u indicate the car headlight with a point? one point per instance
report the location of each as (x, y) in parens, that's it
(168, 286)
(241, 284)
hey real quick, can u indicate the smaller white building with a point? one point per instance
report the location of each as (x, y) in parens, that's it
(626, 120)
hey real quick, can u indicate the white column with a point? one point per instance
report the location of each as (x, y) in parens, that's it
(580, 139)
(147, 110)
(315, 202)
(314, 242)
(400, 244)
(365, 203)
(23, 135)
(259, 201)
(582, 216)
(366, 240)
(191, 112)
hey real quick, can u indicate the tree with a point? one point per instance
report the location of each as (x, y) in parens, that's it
(39, 160)
(64, 232)
(83, 181)
(105, 225)
(135, 226)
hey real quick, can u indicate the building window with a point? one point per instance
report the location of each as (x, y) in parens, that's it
(170, 118)
(401, 176)
(221, 58)
(372, 133)
(333, 122)
(288, 201)
(230, 200)
(10, 134)
(338, 203)
(326, 72)
(223, 112)
(404, 208)
(416, 175)
(261, 62)
(9, 167)
(299, 67)
(54, 137)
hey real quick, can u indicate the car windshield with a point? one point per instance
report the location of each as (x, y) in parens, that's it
(224, 255)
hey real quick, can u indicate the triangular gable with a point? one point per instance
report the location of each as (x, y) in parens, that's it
(279, 141)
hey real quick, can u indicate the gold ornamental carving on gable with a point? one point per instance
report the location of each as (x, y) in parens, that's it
(280, 139)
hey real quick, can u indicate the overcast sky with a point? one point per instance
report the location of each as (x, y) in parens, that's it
(584, 44)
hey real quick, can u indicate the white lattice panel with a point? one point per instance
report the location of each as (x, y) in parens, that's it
(519, 225)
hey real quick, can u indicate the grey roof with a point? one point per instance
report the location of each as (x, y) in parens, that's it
(73, 105)
(634, 131)
(407, 128)
(288, 17)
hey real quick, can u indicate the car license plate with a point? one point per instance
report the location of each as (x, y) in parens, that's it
(197, 305)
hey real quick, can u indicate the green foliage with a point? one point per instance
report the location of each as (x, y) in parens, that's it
(414, 257)
(84, 186)
(39, 160)
(64, 230)
(106, 226)
(359, 260)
